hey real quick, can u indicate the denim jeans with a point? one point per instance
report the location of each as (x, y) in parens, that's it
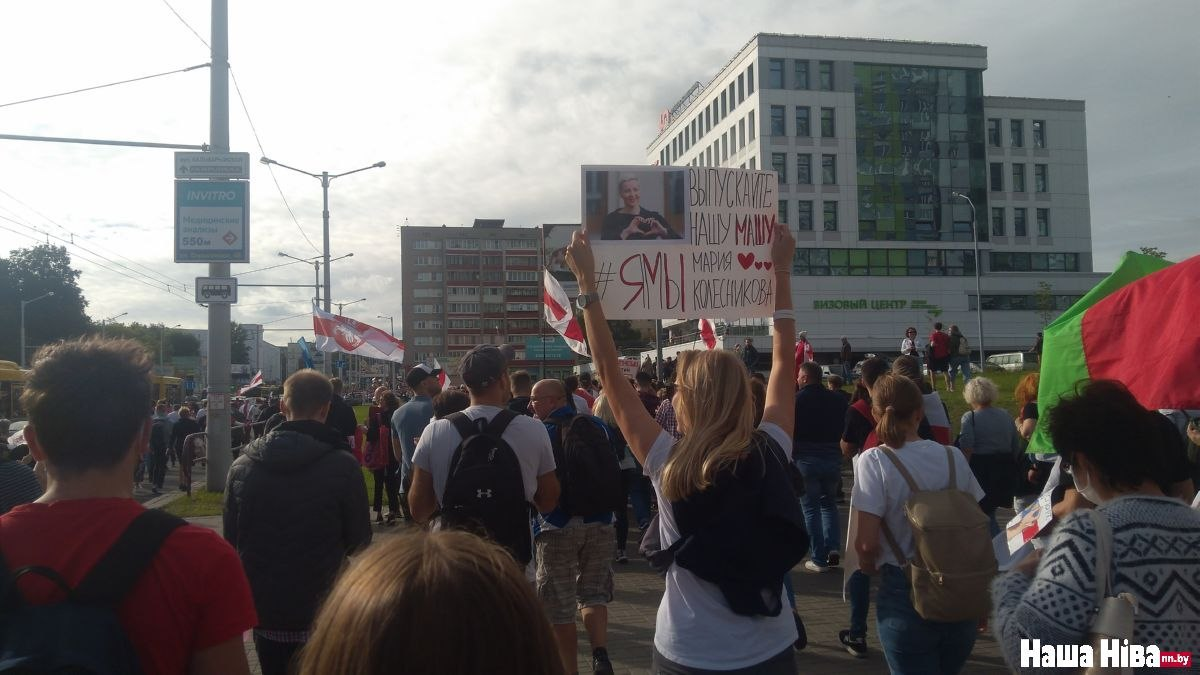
(639, 497)
(912, 644)
(960, 363)
(858, 589)
(821, 473)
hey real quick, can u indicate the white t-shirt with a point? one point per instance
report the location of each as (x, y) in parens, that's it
(880, 489)
(695, 626)
(526, 435)
(581, 404)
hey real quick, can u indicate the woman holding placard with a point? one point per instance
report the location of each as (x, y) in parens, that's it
(729, 526)
(631, 221)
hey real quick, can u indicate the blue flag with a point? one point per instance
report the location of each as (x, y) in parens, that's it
(304, 353)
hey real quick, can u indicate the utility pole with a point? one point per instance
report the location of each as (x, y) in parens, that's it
(220, 454)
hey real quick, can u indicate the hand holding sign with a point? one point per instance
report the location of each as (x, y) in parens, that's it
(581, 261)
(783, 248)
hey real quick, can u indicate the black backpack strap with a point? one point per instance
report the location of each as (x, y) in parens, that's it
(466, 428)
(500, 422)
(111, 579)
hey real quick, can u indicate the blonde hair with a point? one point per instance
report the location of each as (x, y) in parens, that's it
(980, 391)
(445, 602)
(601, 409)
(716, 413)
(894, 401)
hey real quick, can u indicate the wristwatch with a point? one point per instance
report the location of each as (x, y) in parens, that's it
(586, 299)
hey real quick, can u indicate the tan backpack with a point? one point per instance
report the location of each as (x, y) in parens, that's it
(955, 562)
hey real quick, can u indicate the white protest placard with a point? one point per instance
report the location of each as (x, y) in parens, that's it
(681, 242)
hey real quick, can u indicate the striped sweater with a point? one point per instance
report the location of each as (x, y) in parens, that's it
(1156, 558)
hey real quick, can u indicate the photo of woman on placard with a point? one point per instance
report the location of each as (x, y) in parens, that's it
(631, 221)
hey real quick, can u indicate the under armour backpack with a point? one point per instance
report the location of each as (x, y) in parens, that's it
(81, 635)
(158, 435)
(588, 467)
(485, 489)
(952, 570)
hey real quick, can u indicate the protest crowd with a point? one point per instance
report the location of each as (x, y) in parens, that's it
(517, 497)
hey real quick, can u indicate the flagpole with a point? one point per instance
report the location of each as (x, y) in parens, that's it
(541, 324)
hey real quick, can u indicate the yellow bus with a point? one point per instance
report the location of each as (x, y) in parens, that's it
(169, 389)
(12, 383)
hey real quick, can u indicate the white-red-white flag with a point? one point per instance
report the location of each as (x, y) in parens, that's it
(254, 382)
(708, 333)
(339, 333)
(443, 378)
(559, 315)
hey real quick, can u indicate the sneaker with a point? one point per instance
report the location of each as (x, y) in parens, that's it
(814, 567)
(801, 634)
(600, 662)
(855, 646)
(833, 560)
(621, 558)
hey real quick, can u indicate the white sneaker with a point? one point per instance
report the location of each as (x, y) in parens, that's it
(814, 567)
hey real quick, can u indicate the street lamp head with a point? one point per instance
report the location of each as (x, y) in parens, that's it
(379, 165)
(50, 293)
(281, 254)
(348, 255)
(264, 160)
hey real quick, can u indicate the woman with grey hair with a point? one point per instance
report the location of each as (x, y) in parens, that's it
(988, 437)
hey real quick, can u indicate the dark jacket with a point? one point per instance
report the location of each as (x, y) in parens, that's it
(819, 416)
(295, 507)
(185, 427)
(341, 417)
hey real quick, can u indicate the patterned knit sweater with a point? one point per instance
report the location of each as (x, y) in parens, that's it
(1156, 558)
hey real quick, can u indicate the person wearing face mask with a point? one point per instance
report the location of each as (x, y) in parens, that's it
(1112, 448)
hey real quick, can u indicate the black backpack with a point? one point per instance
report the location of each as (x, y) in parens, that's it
(82, 634)
(158, 435)
(485, 490)
(588, 468)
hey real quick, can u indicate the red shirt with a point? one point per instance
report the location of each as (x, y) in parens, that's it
(193, 595)
(941, 344)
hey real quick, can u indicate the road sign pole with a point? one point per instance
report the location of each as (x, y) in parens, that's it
(219, 450)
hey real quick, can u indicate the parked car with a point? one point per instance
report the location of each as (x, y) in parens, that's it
(1012, 362)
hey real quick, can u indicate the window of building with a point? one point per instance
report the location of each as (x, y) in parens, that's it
(1034, 262)
(1041, 178)
(800, 75)
(742, 133)
(724, 109)
(802, 122)
(753, 163)
(1018, 177)
(427, 308)
(463, 307)
(996, 176)
(826, 70)
(882, 262)
(427, 341)
(523, 307)
(427, 292)
(750, 125)
(1016, 133)
(1043, 222)
(470, 244)
(463, 290)
(779, 164)
(493, 292)
(750, 79)
(774, 73)
(1015, 302)
(828, 169)
(462, 260)
(493, 308)
(741, 89)
(831, 216)
(1019, 226)
(494, 276)
(782, 214)
(997, 221)
(427, 260)
(462, 324)
(521, 276)
(523, 291)
(828, 130)
(778, 126)
(423, 324)
(1039, 133)
(993, 132)
(804, 215)
(427, 245)
(804, 169)
(429, 276)
(462, 275)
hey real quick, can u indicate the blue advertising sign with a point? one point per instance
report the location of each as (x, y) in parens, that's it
(555, 349)
(212, 221)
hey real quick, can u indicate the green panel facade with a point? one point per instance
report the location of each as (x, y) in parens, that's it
(920, 137)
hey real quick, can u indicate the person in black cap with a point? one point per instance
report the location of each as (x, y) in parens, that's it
(484, 369)
(409, 422)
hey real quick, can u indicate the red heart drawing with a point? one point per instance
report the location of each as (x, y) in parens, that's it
(757, 265)
(746, 260)
(767, 265)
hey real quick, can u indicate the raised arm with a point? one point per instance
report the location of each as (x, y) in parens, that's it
(781, 388)
(639, 428)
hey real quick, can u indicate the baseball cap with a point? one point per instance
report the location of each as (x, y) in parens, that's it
(482, 366)
(418, 374)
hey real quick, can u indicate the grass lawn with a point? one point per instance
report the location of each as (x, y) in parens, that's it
(201, 503)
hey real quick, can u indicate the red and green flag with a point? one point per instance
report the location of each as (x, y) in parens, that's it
(1140, 325)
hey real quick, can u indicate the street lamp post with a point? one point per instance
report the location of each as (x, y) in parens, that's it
(391, 364)
(325, 177)
(978, 271)
(161, 333)
(23, 303)
(104, 323)
(316, 263)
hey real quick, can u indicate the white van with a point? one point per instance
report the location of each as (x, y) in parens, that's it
(1012, 361)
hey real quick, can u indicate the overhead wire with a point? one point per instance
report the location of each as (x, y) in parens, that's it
(103, 86)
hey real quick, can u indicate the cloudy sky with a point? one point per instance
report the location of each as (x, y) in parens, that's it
(487, 109)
